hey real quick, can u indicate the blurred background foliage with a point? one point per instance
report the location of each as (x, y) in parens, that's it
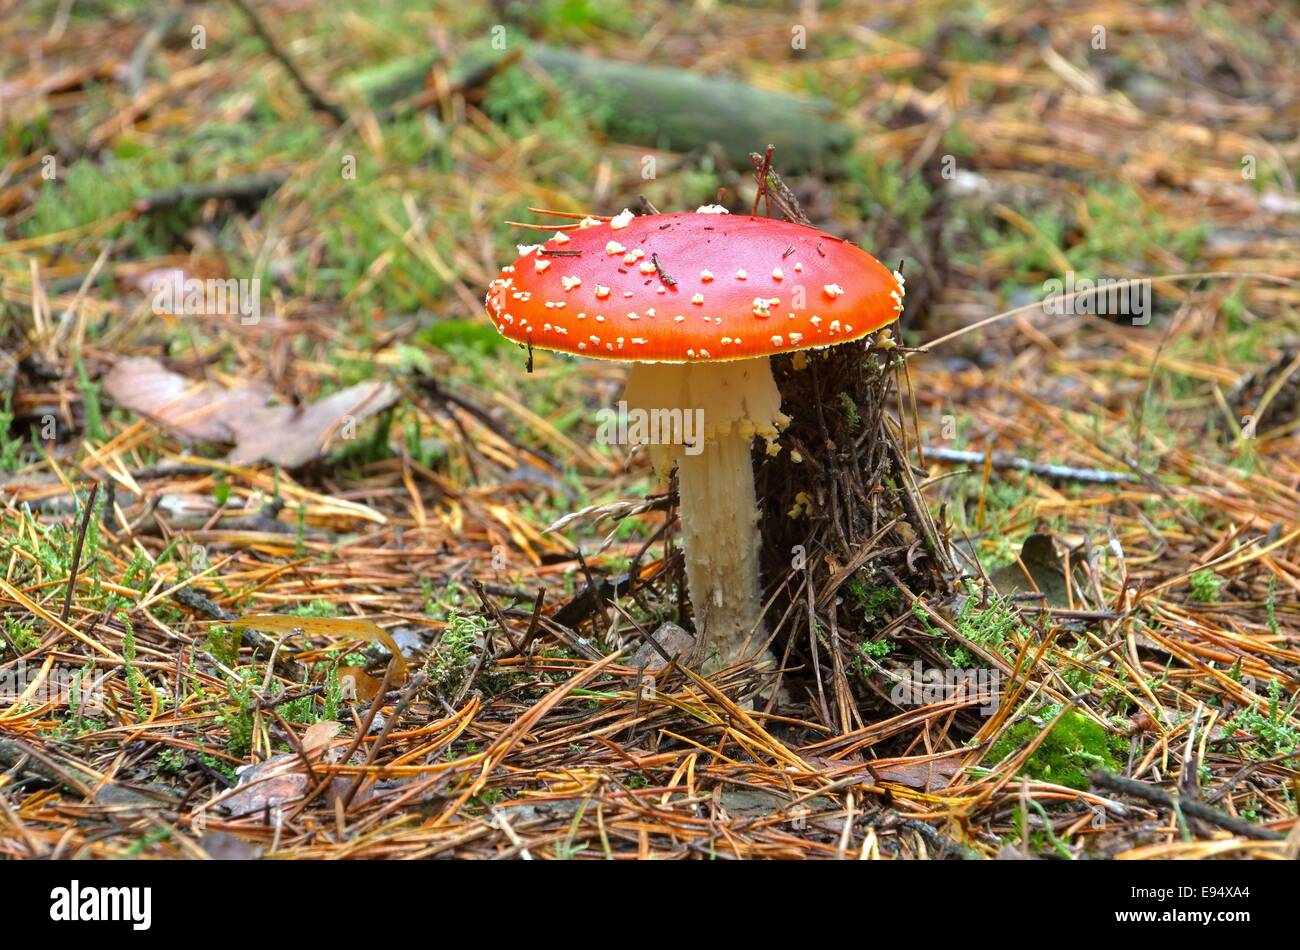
(1041, 134)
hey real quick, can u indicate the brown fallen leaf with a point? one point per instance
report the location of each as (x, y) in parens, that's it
(1045, 567)
(197, 410)
(268, 784)
(926, 773)
(280, 779)
(318, 735)
(674, 641)
(291, 436)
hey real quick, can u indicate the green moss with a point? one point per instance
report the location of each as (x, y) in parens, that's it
(11, 450)
(883, 191)
(90, 405)
(316, 608)
(1079, 678)
(223, 644)
(133, 676)
(1271, 727)
(850, 408)
(238, 722)
(1119, 231)
(474, 334)
(304, 709)
(566, 19)
(991, 623)
(171, 761)
(876, 648)
(872, 601)
(450, 663)
(1075, 746)
(1205, 586)
(19, 634)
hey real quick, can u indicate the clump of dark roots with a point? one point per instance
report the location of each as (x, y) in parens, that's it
(843, 522)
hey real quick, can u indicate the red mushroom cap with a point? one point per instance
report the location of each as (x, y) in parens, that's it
(694, 286)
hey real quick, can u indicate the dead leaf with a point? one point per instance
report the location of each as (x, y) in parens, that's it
(674, 641)
(292, 436)
(196, 410)
(289, 436)
(1038, 554)
(317, 737)
(223, 846)
(927, 774)
(283, 778)
(922, 772)
(268, 784)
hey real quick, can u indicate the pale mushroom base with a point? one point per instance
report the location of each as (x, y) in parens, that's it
(722, 406)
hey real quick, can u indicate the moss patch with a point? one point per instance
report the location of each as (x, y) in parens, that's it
(1075, 746)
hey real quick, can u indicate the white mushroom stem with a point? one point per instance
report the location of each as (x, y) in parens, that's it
(721, 538)
(716, 409)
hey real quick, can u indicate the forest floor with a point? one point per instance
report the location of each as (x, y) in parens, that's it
(1144, 643)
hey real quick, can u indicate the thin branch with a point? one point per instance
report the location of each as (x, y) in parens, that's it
(76, 552)
(317, 100)
(1092, 476)
(1158, 796)
(238, 187)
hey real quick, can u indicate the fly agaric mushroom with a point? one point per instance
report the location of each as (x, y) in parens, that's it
(698, 302)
